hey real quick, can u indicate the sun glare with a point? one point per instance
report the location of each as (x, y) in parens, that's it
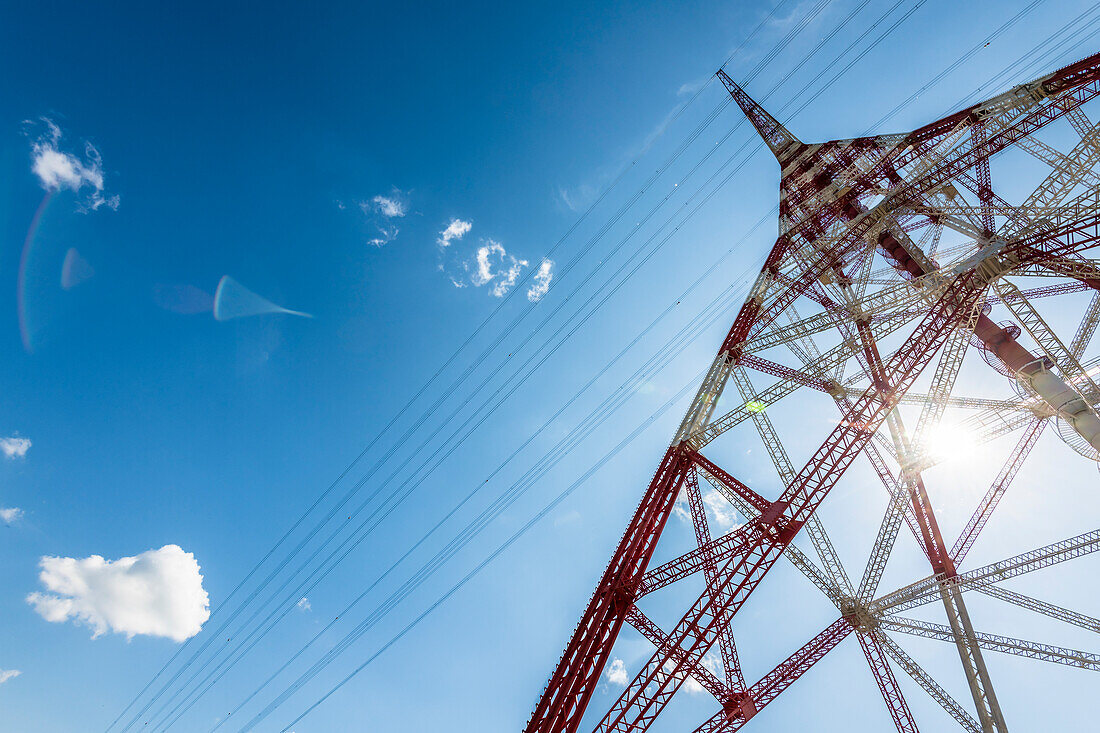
(952, 444)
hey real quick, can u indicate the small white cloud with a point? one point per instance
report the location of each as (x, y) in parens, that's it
(507, 278)
(616, 673)
(379, 211)
(484, 272)
(386, 232)
(692, 687)
(156, 593)
(57, 169)
(713, 664)
(578, 198)
(689, 88)
(7, 674)
(385, 236)
(303, 604)
(10, 515)
(14, 447)
(680, 507)
(390, 206)
(456, 230)
(493, 264)
(725, 517)
(541, 282)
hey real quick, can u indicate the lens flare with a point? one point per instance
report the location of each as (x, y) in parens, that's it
(74, 270)
(233, 300)
(21, 282)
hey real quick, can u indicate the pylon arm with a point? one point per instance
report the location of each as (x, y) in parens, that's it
(887, 684)
(830, 360)
(652, 632)
(1087, 329)
(922, 678)
(1034, 604)
(996, 643)
(971, 403)
(731, 484)
(1039, 330)
(694, 561)
(925, 591)
(779, 679)
(798, 558)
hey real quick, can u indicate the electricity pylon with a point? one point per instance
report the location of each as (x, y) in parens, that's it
(844, 206)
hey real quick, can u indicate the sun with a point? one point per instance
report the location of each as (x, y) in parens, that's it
(949, 443)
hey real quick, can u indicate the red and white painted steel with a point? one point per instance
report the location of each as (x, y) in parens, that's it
(845, 204)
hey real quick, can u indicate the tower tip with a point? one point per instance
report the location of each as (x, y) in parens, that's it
(777, 137)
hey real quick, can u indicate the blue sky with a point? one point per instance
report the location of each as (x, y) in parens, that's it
(315, 158)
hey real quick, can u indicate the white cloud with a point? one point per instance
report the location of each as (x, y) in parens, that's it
(725, 516)
(578, 198)
(690, 87)
(390, 206)
(7, 674)
(713, 664)
(723, 513)
(57, 169)
(385, 236)
(691, 685)
(616, 673)
(9, 515)
(508, 278)
(681, 507)
(303, 604)
(156, 593)
(541, 282)
(14, 447)
(490, 264)
(493, 264)
(387, 208)
(484, 270)
(456, 230)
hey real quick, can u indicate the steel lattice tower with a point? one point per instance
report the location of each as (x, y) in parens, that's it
(846, 205)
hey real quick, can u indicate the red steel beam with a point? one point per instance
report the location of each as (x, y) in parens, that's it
(574, 679)
(645, 697)
(733, 716)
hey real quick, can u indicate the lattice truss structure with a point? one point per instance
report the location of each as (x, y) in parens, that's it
(862, 255)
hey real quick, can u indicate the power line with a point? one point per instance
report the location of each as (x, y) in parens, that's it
(373, 442)
(341, 647)
(759, 66)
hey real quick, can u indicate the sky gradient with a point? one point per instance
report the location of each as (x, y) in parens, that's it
(238, 242)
